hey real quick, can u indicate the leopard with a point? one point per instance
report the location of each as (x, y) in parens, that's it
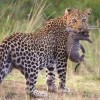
(47, 48)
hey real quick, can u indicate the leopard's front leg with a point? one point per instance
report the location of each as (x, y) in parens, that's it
(51, 86)
(61, 69)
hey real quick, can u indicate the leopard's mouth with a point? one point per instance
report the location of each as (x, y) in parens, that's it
(84, 32)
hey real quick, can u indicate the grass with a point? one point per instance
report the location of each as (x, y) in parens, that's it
(84, 86)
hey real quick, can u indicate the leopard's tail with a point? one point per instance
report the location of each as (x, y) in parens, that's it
(5, 62)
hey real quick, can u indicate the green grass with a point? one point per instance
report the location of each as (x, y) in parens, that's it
(84, 85)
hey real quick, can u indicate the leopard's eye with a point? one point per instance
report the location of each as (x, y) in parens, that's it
(74, 20)
(84, 20)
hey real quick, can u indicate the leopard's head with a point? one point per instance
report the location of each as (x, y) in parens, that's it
(77, 20)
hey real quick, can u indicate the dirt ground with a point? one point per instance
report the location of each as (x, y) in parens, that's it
(14, 89)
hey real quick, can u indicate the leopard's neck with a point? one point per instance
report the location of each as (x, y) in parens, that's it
(56, 25)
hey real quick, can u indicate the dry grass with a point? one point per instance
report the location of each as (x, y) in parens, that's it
(82, 88)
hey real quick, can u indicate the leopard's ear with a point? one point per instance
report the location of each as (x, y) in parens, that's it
(68, 10)
(88, 11)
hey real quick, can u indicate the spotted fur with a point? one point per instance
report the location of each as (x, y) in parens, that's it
(46, 48)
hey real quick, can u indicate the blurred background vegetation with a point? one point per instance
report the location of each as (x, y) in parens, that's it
(21, 8)
(30, 15)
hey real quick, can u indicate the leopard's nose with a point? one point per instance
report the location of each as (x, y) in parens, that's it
(80, 29)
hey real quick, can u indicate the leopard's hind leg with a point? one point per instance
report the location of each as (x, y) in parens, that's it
(30, 70)
(5, 65)
(51, 86)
